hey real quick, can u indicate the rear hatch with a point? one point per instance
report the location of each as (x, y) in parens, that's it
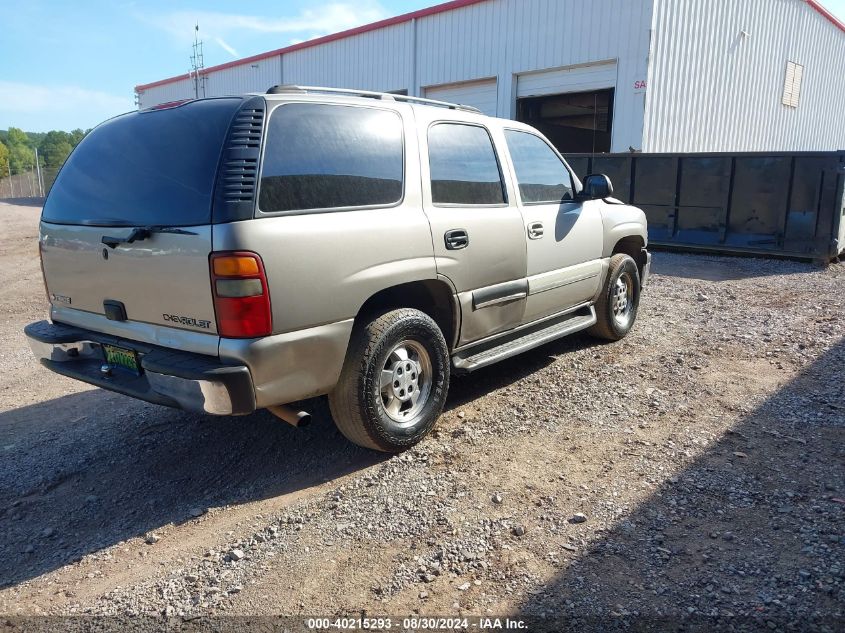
(126, 231)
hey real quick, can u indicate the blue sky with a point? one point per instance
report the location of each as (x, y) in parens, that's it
(66, 64)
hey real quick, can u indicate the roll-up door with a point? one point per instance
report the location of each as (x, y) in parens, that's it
(479, 94)
(577, 79)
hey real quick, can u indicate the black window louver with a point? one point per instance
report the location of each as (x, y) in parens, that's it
(238, 178)
(246, 128)
(240, 174)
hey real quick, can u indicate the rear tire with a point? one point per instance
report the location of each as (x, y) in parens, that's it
(394, 381)
(616, 308)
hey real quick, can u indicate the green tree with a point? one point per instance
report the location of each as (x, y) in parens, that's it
(76, 136)
(55, 148)
(21, 155)
(16, 136)
(21, 158)
(4, 160)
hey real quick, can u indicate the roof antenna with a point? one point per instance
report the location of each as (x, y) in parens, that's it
(197, 65)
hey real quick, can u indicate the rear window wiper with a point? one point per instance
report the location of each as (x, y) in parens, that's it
(141, 233)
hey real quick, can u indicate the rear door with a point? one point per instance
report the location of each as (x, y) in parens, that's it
(564, 236)
(476, 227)
(150, 170)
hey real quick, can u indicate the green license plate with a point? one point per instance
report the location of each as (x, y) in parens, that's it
(123, 358)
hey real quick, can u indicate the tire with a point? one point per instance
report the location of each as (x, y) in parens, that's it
(386, 399)
(614, 320)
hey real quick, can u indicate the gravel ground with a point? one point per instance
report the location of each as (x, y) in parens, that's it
(693, 473)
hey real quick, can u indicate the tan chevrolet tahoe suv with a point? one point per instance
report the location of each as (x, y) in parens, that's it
(228, 254)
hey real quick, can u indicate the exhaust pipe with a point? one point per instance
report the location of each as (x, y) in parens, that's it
(293, 417)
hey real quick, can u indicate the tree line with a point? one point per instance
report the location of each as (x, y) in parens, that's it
(17, 149)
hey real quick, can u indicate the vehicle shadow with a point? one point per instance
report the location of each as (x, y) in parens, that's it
(566, 219)
(88, 470)
(747, 536)
(463, 389)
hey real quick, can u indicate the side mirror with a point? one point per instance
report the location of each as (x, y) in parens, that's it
(597, 187)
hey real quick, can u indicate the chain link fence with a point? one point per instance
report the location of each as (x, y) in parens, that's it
(27, 185)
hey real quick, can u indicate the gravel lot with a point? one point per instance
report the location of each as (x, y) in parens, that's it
(693, 472)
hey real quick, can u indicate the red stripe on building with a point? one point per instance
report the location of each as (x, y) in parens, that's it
(827, 14)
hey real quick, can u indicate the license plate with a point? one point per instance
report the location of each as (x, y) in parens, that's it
(123, 358)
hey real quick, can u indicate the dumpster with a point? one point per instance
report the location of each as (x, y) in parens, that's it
(779, 204)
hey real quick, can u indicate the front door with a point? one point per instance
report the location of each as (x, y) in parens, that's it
(564, 236)
(477, 229)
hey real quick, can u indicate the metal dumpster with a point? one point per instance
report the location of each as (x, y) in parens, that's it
(783, 204)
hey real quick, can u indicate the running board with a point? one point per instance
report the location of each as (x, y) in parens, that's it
(483, 355)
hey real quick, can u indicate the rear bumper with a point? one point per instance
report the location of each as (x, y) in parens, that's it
(193, 382)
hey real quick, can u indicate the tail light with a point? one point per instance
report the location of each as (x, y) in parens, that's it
(241, 296)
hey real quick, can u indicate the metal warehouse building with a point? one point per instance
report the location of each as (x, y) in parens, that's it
(593, 75)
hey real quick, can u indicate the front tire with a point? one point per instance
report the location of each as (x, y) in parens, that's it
(616, 308)
(394, 381)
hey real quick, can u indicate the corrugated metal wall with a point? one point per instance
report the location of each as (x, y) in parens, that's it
(497, 38)
(181, 89)
(254, 76)
(376, 60)
(711, 88)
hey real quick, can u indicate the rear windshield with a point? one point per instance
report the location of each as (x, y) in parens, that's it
(144, 168)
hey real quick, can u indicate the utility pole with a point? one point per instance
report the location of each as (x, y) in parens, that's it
(11, 189)
(197, 64)
(38, 171)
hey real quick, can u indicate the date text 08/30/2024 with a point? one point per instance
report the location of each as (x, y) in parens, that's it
(415, 624)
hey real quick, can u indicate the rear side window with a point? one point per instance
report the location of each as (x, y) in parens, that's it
(144, 168)
(321, 156)
(542, 176)
(463, 164)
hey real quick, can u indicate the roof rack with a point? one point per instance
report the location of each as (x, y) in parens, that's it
(384, 96)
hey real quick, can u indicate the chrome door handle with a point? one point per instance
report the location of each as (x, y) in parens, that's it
(456, 239)
(535, 230)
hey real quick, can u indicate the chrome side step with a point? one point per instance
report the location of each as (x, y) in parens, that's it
(483, 355)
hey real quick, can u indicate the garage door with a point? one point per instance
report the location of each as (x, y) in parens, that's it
(577, 79)
(479, 94)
